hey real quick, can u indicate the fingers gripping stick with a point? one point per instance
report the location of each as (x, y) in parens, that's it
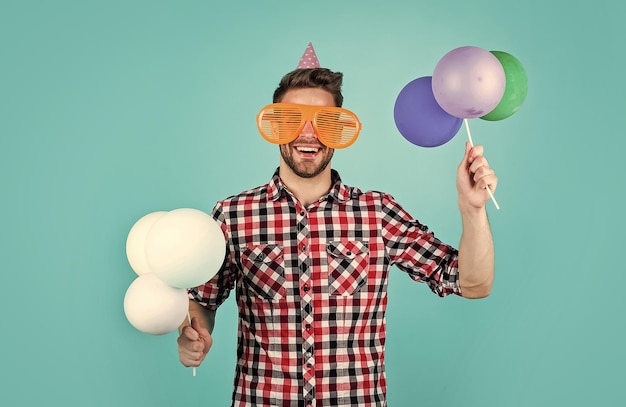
(189, 319)
(469, 136)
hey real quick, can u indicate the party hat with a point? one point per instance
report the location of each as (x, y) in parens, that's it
(309, 59)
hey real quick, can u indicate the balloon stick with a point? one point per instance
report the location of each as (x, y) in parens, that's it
(189, 319)
(469, 136)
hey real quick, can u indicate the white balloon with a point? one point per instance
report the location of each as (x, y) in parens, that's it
(136, 242)
(185, 248)
(154, 307)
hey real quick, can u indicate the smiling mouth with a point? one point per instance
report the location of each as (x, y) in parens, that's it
(308, 151)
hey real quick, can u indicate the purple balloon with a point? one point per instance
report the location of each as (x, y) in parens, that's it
(468, 82)
(420, 119)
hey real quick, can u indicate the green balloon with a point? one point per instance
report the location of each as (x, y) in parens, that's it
(515, 89)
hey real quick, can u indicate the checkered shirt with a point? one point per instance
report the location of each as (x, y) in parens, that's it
(311, 286)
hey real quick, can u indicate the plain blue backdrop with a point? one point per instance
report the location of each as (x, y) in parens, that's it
(112, 110)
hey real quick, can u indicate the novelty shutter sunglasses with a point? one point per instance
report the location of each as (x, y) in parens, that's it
(281, 123)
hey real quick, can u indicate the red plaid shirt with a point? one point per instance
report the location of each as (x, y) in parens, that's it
(311, 286)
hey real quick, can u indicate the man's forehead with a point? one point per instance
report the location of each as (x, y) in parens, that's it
(309, 96)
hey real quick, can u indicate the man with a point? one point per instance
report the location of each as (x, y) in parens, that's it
(309, 259)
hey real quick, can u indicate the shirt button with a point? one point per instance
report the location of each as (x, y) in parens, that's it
(308, 326)
(302, 213)
(306, 288)
(303, 248)
(309, 365)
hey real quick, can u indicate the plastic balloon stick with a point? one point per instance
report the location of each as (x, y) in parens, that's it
(469, 136)
(189, 319)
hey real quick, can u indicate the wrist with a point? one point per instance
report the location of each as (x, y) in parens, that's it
(472, 215)
(468, 209)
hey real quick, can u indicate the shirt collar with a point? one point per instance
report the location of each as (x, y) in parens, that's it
(338, 191)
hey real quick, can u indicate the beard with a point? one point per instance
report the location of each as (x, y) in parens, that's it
(306, 168)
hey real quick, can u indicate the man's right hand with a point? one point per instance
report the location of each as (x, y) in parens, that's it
(194, 343)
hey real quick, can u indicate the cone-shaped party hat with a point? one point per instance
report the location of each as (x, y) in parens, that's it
(309, 58)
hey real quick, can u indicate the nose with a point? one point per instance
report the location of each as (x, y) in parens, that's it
(308, 130)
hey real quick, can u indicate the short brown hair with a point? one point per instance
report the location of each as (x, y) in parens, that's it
(311, 78)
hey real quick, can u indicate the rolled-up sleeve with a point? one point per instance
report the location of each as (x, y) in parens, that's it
(413, 248)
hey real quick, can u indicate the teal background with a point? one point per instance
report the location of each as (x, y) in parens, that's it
(112, 110)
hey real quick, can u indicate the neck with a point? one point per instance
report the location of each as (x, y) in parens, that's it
(306, 190)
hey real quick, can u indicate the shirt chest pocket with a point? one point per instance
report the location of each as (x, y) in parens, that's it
(348, 264)
(264, 271)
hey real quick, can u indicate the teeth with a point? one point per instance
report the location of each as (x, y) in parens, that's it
(307, 149)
